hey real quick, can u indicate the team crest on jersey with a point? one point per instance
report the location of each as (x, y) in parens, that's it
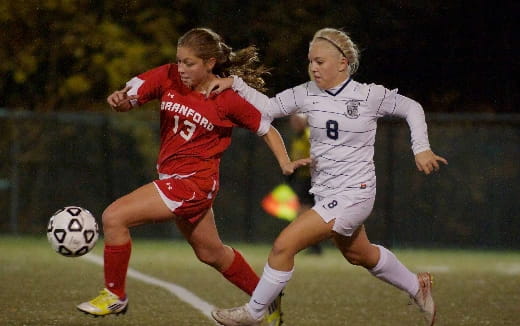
(352, 109)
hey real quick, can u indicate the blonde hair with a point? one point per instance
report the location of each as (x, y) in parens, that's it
(341, 41)
(244, 63)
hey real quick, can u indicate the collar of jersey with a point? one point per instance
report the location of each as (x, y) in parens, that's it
(334, 92)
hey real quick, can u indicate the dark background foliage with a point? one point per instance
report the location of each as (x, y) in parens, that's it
(452, 56)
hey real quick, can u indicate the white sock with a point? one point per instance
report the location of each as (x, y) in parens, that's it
(270, 285)
(392, 271)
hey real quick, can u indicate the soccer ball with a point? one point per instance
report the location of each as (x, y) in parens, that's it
(72, 231)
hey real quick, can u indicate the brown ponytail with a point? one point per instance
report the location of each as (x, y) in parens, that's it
(244, 63)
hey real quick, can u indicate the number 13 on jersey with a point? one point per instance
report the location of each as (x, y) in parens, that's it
(186, 131)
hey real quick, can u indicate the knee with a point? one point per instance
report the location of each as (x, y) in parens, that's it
(209, 256)
(281, 248)
(112, 218)
(355, 258)
(366, 257)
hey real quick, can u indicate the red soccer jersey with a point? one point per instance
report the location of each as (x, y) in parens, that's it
(195, 131)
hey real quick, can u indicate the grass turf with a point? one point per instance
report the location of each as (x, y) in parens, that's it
(39, 287)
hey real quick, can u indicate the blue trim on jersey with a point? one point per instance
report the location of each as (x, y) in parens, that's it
(339, 90)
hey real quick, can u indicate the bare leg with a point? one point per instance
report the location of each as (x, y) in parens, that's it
(205, 241)
(141, 206)
(357, 249)
(378, 260)
(306, 230)
(384, 265)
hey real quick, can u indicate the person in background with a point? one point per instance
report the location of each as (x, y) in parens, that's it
(300, 180)
(194, 134)
(342, 114)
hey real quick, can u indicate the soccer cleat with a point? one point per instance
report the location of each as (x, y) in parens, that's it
(274, 312)
(104, 304)
(423, 299)
(238, 316)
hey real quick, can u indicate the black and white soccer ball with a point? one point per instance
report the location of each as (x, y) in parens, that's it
(72, 231)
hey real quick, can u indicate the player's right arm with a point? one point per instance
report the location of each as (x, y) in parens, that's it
(143, 88)
(120, 100)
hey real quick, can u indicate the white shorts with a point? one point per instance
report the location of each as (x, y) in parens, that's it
(350, 212)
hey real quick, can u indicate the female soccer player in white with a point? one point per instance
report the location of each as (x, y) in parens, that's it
(342, 114)
(194, 134)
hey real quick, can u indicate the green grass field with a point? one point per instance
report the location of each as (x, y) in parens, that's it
(39, 287)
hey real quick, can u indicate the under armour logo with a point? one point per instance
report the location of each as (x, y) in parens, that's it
(170, 95)
(169, 186)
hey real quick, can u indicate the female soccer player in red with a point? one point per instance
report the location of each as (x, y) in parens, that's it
(195, 131)
(342, 114)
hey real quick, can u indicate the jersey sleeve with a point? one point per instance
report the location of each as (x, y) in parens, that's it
(391, 103)
(289, 101)
(151, 84)
(414, 114)
(283, 104)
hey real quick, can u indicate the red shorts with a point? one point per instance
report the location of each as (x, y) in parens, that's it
(188, 196)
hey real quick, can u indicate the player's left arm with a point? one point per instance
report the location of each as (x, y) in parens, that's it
(425, 159)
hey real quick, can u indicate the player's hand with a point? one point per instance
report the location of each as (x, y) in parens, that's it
(428, 161)
(120, 100)
(218, 85)
(289, 167)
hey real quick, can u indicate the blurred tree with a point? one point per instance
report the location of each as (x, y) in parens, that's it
(70, 54)
(450, 56)
(440, 53)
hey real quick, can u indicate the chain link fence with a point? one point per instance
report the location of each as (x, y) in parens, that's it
(50, 160)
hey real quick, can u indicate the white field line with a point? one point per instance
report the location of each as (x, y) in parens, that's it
(500, 268)
(508, 269)
(180, 292)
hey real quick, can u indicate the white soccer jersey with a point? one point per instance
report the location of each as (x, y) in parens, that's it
(343, 123)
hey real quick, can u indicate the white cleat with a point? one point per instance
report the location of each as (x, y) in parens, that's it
(423, 299)
(239, 316)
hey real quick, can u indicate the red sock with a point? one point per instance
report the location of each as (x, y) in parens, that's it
(241, 274)
(116, 266)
